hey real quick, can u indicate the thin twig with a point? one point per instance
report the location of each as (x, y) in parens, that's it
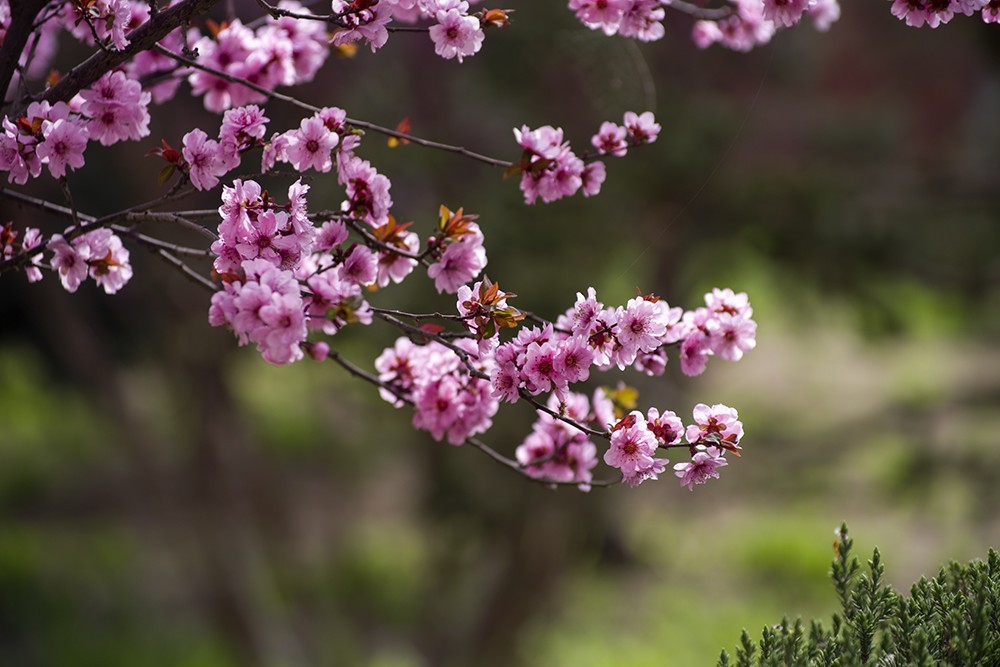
(471, 440)
(314, 109)
(709, 13)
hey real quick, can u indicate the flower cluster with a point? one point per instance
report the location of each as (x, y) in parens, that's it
(9, 247)
(639, 19)
(636, 439)
(551, 170)
(449, 402)
(107, 20)
(457, 250)
(933, 13)
(280, 52)
(112, 110)
(638, 129)
(283, 276)
(752, 23)
(264, 306)
(99, 254)
(557, 451)
(550, 358)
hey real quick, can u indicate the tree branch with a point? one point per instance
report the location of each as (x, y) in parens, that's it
(141, 39)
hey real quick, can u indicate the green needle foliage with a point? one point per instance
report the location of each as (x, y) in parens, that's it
(953, 619)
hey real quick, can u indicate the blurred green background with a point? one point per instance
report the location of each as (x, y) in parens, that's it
(168, 499)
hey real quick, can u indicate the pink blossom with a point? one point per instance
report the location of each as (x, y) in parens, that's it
(694, 354)
(461, 261)
(545, 142)
(456, 35)
(68, 262)
(368, 24)
(17, 154)
(539, 369)
(703, 466)
(991, 12)
(368, 195)
(311, 145)
(785, 13)
(393, 266)
(116, 106)
(610, 139)
(64, 144)
(652, 471)
(642, 128)
(632, 445)
(718, 421)
(360, 266)
(605, 15)
(203, 157)
(593, 176)
(32, 239)
(641, 325)
(243, 127)
(705, 33)
(642, 20)
(573, 360)
(734, 335)
(505, 382)
(331, 235)
(916, 13)
(667, 427)
(227, 52)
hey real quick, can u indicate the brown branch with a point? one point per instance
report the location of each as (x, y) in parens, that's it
(141, 39)
(707, 13)
(471, 440)
(459, 150)
(22, 23)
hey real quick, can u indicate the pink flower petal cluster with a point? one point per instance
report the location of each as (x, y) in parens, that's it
(99, 254)
(254, 230)
(934, 13)
(109, 19)
(336, 291)
(117, 108)
(632, 450)
(9, 247)
(50, 135)
(639, 19)
(703, 466)
(550, 170)
(280, 52)
(461, 261)
(448, 401)
(754, 22)
(557, 451)
(718, 424)
(785, 13)
(263, 306)
(456, 34)
(367, 24)
(724, 327)
(368, 195)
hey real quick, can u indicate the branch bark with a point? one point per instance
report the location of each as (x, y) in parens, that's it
(22, 19)
(142, 38)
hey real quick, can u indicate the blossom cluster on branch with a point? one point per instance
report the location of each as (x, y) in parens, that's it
(285, 278)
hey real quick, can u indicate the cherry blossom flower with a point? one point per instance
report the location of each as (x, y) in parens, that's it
(703, 466)
(64, 144)
(456, 35)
